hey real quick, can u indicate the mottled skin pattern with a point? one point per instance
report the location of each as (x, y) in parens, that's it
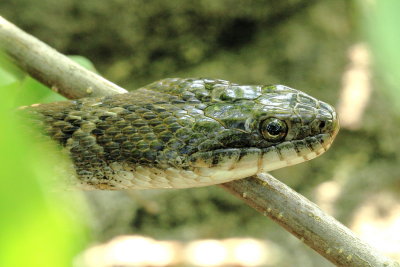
(186, 129)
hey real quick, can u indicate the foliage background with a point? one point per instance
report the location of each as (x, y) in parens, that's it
(302, 44)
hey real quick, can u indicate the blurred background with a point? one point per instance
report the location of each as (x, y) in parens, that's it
(344, 52)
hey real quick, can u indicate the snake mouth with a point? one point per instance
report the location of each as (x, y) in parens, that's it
(236, 163)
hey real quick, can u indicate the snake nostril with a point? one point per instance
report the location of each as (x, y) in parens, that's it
(322, 125)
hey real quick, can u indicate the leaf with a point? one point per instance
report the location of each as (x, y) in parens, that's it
(39, 227)
(8, 71)
(32, 91)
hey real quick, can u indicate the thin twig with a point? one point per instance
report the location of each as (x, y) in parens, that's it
(264, 193)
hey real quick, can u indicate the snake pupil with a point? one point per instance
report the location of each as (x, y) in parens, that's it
(274, 128)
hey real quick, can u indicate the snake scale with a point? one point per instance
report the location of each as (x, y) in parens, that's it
(178, 133)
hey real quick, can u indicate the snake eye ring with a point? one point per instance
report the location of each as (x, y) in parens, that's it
(273, 129)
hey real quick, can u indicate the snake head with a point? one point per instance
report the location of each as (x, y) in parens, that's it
(263, 128)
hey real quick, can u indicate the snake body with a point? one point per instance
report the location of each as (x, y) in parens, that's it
(178, 133)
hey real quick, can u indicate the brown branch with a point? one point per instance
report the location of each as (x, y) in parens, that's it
(306, 221)
(50, 67)
(264, 193)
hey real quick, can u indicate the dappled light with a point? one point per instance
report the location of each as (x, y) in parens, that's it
(126, 251)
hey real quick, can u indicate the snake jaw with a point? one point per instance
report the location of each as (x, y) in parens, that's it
(228, 164)
(223, 165)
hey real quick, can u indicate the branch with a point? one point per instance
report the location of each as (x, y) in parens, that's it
(264, 193)
(306, 221)
(50, 67)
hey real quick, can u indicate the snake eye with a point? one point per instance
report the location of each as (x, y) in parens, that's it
(273, 129)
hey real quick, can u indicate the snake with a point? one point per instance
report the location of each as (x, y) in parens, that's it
(186, 132)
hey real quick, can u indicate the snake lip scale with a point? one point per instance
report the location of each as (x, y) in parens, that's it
(178, 133)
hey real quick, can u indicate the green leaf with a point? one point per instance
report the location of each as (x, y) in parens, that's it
(6, 77)
(8, 71)
(32, 91)
(39, 226)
